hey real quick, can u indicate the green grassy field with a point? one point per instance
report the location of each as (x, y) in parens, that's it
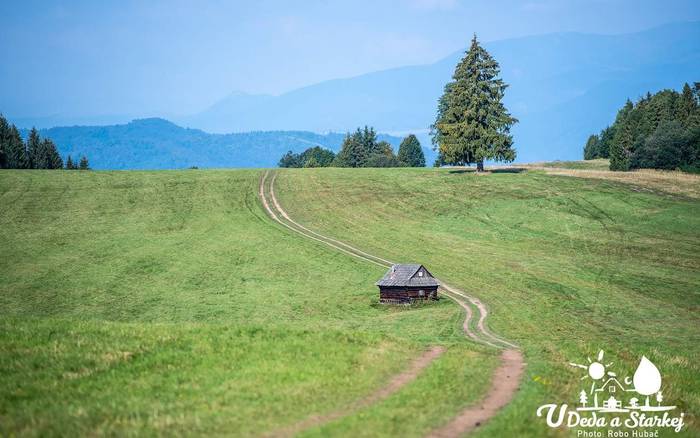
(597, 164)
(567, 265)
(168, 303)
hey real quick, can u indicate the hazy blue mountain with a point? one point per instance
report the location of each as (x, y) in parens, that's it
(61, 120)
(563, 87)
(159, 144)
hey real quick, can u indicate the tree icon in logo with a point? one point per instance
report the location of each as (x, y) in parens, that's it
(647, 379)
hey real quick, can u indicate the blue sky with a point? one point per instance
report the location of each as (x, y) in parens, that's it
(177, 57)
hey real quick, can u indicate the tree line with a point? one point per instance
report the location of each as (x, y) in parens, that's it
(360, 149)
(659, 131)
(35, 153)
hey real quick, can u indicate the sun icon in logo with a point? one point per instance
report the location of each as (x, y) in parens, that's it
(596, 369)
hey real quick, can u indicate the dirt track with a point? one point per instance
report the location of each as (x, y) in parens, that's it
(504, 382)
(396, 383)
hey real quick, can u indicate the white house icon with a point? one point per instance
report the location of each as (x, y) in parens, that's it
(611, 385)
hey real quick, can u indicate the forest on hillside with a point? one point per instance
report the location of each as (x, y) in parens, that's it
(34, 153)
(659, 131)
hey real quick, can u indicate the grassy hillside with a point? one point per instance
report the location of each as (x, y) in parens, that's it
(567, 265)
(597, 164)
(167, 303)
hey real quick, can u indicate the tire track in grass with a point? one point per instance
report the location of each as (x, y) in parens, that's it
(505, 380)
(396, 383)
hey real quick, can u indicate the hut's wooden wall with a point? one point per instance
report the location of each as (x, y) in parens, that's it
(401, 294)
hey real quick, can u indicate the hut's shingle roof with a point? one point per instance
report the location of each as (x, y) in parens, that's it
(405, 276)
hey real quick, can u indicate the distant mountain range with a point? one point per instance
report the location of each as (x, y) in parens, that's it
(159, 144)
(563, 87)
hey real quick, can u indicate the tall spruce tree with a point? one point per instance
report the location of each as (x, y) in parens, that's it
(52, 158)
(410, 153)
(606, 138)
(16, 152)
(34, 149)
(4, 141)
(687, 106)
(472, 124)
(41, 159)
(70, 165)
(84, 164)
(368, 138)
(591, 150)
(622, 144)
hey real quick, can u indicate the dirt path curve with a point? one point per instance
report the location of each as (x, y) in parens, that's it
(504, 384)
(505, 380)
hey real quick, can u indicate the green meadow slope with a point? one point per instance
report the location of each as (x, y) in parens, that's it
(168, 303)
(597, 164)
(568, 266)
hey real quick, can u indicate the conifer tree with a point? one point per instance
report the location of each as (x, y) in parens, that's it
(623, 141)
(410, 153)
(52, 158)
(357, 148)
(69, 163)
(606, 138)
(383, 156)
(591, 150)
(4, 141)
(16, 152)
(472, 124)
(84, 165)
(687, 106)
(368, 139)
(383, 148)
(41, 159)
(34, 149)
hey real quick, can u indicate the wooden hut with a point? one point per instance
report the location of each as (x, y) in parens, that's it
(407, 283)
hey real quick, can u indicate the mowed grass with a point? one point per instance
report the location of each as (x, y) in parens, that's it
(167, 303)
(597, 164)
(568, 266)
